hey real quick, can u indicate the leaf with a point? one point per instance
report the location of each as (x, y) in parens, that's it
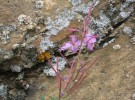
(42, 97)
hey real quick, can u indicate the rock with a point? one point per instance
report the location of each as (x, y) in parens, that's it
(21, 18)
(20, 76)
(16, 68)
(128, 31)
(26, 32)
(39, 4)
(61, 65)
(17, 94)
(21, 84)
(75, 2)
(133, 40)
(3, 92)
(133, 96)
(46, 44)
(116, 47)
(37, 30)
(42, 86)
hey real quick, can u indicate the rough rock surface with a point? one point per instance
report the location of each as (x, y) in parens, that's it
(30, 27)
(31, 34)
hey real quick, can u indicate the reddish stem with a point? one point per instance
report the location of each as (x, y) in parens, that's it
(55, 71)
(91, 64)
(57, 63)
(64, 57)
(77, 85)
(74, 86)
(80, 70)
(59, 83)
(69, 75)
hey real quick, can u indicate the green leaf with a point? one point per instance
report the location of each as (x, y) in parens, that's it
(42, 97)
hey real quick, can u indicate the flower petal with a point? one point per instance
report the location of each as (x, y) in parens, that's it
(75, 49)
(90, 46)
(66, 46)
(78, 43)
(88, 35)
(92, 40)
(73, 38)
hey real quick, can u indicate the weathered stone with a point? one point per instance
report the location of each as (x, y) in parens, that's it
(107, 16)
(3, 92)
(16, 94)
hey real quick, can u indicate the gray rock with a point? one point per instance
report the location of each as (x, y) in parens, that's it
(39, 4)
(3, 91)
(46, 44)
(75, 2)
(128, 31)
(16, 68)
(133, 96)
(17, 94)
(61, 65)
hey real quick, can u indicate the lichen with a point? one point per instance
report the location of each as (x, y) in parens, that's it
(127, 30)
(133, 40)
(16, 68)
(46, 44)
(39, 4)
(61, 65)
(5, 31)
(3, 91)
(75, 2)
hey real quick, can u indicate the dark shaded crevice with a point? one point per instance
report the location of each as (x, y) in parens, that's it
(107, 37)
(120, 23)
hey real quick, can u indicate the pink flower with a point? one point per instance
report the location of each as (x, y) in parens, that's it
(89, 41)
(72, 45)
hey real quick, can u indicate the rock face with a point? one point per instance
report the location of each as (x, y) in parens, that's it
(27, 36)
(3, 91)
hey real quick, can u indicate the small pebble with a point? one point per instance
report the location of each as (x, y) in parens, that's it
(105, 44)
(133, 96)
(42, 86)
(22, 17)
(127, 76)
(116, 47)
(133, 40)
(39, 4)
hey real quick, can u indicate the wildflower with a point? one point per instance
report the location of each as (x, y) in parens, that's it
(72, 45)
(89, 41)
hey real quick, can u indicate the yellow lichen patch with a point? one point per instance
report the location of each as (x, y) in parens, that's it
(44, 56)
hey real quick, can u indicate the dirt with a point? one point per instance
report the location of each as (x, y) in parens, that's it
(111, 78)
